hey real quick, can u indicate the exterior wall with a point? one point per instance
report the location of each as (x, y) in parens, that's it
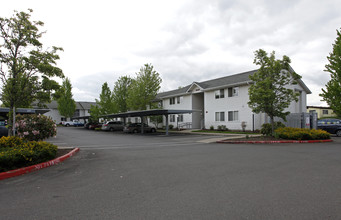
(301, 105)
(185, 104)
(198, 104)
(322, 112)
(54, 114)
(226, 104)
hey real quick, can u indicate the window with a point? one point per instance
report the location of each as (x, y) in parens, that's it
(160, 104)
(219, 94)
(233, 116)
(180, 118)
(178, 100)
(233, 91)
(172, 118)
(172, 101)
(325, 112)
(220, 116)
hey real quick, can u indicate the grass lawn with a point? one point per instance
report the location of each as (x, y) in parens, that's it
(225, 132)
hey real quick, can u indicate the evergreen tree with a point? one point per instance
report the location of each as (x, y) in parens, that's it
(332, 93)
(120, 93)
(66, 104)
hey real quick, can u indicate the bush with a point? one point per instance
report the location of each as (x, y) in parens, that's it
(170, 126)
(267, 129)
(222, 128)
(16, 153)
(301, 134)
(98, 129)
(34, 127)
(211, 127)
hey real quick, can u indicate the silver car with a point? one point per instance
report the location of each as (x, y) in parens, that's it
(113, 126)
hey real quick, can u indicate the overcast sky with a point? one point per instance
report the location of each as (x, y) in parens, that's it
(184, 40)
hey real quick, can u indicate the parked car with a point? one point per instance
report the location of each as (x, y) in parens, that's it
(113, 126)
(136, 128)
(95, 125)
(72, 123)
(330, 125)
(3, 129)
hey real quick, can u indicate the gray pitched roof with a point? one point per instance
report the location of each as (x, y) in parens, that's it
(212, 84)
(79, 105)
(226, 81)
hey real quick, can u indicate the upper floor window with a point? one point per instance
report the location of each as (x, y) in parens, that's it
(325, 112)
(233, 91)
(172, 101)
(219, 94)
(179, 99)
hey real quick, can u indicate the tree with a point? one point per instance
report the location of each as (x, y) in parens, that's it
(66, 104)
(120, 93)
(105, 103)
(332, 93)
(26, 68)
(270, 93)
(144, 89)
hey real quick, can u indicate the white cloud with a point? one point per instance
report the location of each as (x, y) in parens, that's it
(186, 40)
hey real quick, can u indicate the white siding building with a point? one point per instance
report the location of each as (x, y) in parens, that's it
(82, 109)
(222, 101)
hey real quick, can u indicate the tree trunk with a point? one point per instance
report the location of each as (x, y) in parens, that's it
(272, 125)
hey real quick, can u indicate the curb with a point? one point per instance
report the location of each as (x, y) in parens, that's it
(24, 170)
(273, 142)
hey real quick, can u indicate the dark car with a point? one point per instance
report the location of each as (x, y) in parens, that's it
(330, 125)
(95, 125)
(136, 128)
(3, 129)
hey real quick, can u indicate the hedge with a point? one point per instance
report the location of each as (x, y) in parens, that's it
(301, 134)
(16, 153)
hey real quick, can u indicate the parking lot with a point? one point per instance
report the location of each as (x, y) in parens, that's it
(153, 176)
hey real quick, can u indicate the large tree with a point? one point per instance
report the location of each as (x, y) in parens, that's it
(332, 93)
(120, 93)
(105, 103)
(270, 93)
(66, 104)
(144, 88)
(26, 68)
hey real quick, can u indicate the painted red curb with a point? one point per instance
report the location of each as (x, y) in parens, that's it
(20, 171)
(273, 142)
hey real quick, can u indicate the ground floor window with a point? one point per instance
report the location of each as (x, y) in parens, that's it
(180, 118)
(172, 118)
(220, 116)
(233, 115)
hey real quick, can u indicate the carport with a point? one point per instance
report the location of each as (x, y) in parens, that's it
(153, 112)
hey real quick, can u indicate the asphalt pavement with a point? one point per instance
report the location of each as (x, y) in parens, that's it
(180, 176)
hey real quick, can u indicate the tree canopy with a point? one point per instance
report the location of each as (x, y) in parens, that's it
(105, 104)
(144, 88)
(26, 68)
(66, 104)
(270, 93)
(332, 93)
(120, 93)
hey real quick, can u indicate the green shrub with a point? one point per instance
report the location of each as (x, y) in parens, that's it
(16, 153)
(34, 127)
(211, 127)
(301, 134)
(98, 129)
(267, 129)
(170, 126)
(222, 128)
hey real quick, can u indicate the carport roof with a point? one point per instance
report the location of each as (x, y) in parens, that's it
(151, 112)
